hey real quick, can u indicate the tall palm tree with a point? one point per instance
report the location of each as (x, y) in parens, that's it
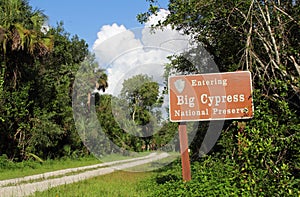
(102, 83)
(20, 33)
(90, 78)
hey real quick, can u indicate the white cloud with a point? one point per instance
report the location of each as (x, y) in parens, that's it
(113, 41)
(155, 18)
(125, 53)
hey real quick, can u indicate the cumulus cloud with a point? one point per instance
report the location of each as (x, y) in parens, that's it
(128, 52)
(113, 40)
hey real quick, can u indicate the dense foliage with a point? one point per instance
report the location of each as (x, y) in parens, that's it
(38, 66)
(260, 156)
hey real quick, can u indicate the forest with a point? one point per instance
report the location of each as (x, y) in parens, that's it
(255, 157)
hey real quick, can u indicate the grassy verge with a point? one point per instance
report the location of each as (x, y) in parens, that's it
(119, 183)
(26, 168)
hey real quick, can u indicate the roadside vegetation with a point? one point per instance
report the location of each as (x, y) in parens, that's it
(256, 157)
(9, 169)
(119, 183)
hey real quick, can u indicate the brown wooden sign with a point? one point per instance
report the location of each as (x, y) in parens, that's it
(206, 97)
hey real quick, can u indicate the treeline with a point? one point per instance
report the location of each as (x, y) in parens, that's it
(257, 157)
(38, 67)
(47, 98)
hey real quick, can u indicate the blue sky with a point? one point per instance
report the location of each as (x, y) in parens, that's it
(122, 45)
(85, 18)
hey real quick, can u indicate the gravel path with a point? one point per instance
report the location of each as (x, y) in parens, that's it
(29, 188)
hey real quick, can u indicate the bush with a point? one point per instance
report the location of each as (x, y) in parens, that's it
(216, 177)
(5, 163)
(210, 177)
(267, 148)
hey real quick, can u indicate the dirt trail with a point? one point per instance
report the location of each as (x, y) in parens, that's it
(26, 189)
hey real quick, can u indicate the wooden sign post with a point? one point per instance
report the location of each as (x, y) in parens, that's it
(184, 152)
(214, 96)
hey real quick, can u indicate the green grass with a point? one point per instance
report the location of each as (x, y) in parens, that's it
(116, 184)
(27, 168)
